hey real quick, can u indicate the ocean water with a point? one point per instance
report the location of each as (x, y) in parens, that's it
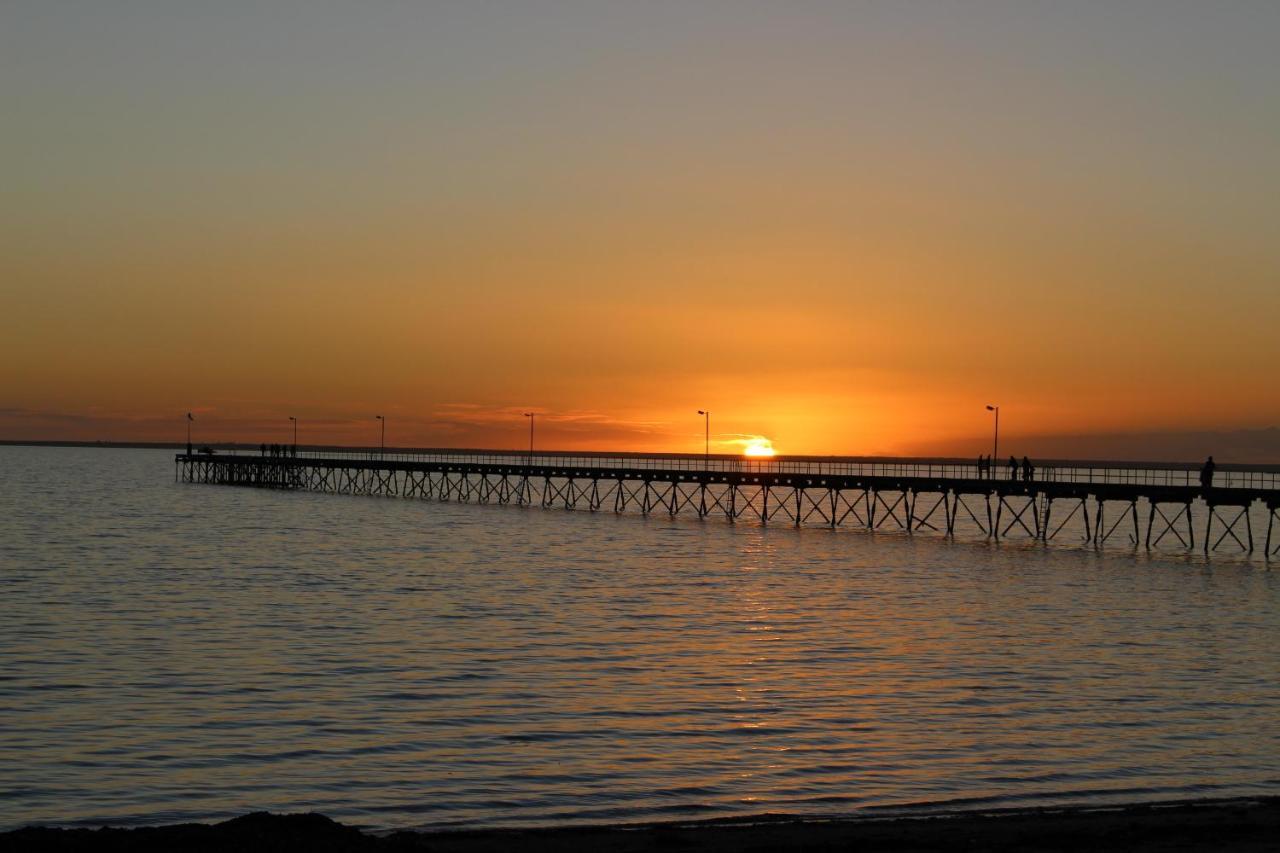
(175, 652)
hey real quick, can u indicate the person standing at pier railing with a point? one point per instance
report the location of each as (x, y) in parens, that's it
(1206, 474)
(1013, 468)
(1028, 470)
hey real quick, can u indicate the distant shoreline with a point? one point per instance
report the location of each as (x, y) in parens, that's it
(1238, 824)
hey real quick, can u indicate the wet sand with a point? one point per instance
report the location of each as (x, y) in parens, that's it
(1244, 825)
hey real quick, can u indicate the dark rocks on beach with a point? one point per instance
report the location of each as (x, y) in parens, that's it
(257, 831)
(1251, 826)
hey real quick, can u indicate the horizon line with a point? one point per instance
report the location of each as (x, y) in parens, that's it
(780, 457)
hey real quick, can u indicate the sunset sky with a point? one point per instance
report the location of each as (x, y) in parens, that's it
(842, 226)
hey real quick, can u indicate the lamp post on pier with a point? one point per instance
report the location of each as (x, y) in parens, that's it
(995, 442)
(190, 418)
(382, 448)
(295, 434)
(706, 445)
(530, 416)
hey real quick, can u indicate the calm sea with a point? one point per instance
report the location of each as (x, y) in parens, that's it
(176, 652)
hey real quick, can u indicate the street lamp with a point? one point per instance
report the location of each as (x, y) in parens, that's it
(295, 434)
(189, 420)
(995, 443)
(382, 450)
(706, 451)
(530, 416)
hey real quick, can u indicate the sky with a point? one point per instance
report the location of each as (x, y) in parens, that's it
(846, 227)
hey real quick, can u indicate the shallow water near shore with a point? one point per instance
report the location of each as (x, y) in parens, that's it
(175, 652)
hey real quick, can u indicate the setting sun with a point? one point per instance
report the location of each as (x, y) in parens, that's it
(758, 446)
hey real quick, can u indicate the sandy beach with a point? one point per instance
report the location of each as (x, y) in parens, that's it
(1210, 825)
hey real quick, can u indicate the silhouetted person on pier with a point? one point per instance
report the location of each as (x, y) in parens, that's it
(1206, 474)
(1013, 468)
(1028, 470)
(263, 448)
(982, 466)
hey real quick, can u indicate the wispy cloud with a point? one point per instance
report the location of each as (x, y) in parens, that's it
(474, 414)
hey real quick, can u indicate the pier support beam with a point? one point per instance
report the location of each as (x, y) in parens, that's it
(1018, 514)
(1228, 529)
(1168, 525)
(1079, 506)
(958, 503)
(919, 522)
(1102, 533)
(891, 511)
(1272, 512)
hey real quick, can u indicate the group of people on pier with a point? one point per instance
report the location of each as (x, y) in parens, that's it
(1024, 471)
(279, 450)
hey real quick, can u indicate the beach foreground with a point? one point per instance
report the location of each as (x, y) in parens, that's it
(1246, 825)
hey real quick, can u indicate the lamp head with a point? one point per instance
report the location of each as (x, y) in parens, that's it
(991, 408)
(701, 412)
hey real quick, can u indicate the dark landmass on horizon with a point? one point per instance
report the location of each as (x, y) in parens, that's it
(1209, 825)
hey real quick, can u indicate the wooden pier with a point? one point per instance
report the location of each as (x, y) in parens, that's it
(1141, 505)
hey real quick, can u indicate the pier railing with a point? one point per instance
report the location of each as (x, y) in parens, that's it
(1046, 471)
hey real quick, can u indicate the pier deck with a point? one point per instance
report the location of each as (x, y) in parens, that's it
(1143, 504)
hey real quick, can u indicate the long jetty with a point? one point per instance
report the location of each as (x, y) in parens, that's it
(1142, 504)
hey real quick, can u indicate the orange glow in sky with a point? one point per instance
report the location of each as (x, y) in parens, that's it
(847, 228)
